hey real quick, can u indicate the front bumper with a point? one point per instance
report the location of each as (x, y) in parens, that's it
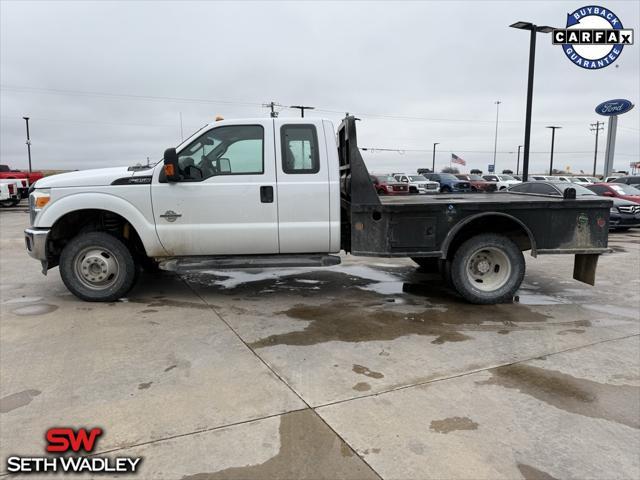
(624, 220)
(36, 242)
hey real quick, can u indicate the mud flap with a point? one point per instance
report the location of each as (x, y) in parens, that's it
(584, 267)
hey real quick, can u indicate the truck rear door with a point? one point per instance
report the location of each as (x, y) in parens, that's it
(303, 170)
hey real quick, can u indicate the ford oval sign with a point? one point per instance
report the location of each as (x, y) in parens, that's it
(614, 107)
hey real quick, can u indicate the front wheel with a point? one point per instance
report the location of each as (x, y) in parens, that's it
(97, 267)
(487, 269)
(445, 190)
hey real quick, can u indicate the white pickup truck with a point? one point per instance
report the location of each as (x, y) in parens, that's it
(284, 192)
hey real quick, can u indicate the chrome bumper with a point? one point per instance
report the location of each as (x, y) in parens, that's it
(36, 243)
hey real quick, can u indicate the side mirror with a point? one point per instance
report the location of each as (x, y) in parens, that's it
(171, 168)
(224, 165)
(569, 193)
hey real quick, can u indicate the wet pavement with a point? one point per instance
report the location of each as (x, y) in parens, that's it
(365, 370)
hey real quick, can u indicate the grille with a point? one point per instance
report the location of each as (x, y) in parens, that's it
(629, 208)
(431, 186)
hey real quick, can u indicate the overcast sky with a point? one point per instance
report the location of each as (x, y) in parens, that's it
(105, 83)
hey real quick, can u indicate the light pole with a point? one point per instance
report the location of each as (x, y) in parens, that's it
(518, 162)
(433, 165)
(26, 119)
(532, 60)
(553, 139)
(495, 143)
(596, 127)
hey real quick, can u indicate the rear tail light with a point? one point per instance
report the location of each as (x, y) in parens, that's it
(11, 189)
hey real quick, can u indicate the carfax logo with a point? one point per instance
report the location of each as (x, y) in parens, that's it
(594, 37)
(68, 443)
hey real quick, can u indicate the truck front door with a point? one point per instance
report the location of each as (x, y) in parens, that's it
(225, 202)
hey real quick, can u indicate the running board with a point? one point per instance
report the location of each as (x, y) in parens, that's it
(229, 262)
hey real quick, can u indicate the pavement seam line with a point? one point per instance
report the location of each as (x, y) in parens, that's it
(472, 372)
(312, 409)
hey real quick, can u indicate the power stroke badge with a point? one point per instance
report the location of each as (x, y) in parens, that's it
(594, 37)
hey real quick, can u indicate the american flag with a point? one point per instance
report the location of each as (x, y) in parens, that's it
(457, 159)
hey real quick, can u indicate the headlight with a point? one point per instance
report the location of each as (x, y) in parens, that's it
(38, 199)
(613, 210)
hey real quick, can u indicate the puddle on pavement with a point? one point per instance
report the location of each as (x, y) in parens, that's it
(365, 371)
(616, 403)
(17, 400)
(23, 300)
(531, 473)
(309, 449)
(361, 387)
(371, 319)
(37, 309)
(452, 424)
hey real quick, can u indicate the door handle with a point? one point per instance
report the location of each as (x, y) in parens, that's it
(266, 194)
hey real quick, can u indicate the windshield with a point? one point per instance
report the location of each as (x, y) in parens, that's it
(476, 178)
(505, 177)
(625, 189)
(417, 178)
(387, 179)
(580, 190)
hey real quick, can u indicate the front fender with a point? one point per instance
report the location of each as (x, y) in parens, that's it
(103, 201)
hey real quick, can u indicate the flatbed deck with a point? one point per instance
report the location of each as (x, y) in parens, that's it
(485, 198)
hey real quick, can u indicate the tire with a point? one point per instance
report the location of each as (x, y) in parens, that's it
(445, 189)
(97, 267)
(382, 192)
(428, 264)
(487, 269)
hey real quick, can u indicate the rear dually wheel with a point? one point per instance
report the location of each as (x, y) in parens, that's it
(487, 269)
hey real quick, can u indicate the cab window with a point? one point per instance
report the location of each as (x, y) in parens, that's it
(228, 150)
(299, 144)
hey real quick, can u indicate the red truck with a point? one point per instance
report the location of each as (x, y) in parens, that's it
(31, 177)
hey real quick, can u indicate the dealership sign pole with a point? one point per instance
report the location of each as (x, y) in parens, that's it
(611, 109)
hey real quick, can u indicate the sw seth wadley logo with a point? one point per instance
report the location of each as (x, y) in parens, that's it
(594, 37)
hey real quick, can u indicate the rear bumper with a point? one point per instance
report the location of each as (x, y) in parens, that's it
(36, 243)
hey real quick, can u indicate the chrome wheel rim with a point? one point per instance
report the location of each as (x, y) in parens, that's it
(488, 269)
(96, 268)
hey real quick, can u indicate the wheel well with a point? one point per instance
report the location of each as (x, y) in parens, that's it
(74, 223)
(492, 223)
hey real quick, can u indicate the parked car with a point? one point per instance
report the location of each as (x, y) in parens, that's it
(417, 183)
(629, 180)
(618, 190)
(29, 178)
(584, 180)
(8, 193)
(539, 178)
(613, 176)
(559, 178)
(388, 185)
(449, 182)
(622, 216)
(503, 182)
(478, 184)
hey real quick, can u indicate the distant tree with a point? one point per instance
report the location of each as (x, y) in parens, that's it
(555, 171)
(475, 171)
(453, 170)
(507, 172)
(424, 170)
